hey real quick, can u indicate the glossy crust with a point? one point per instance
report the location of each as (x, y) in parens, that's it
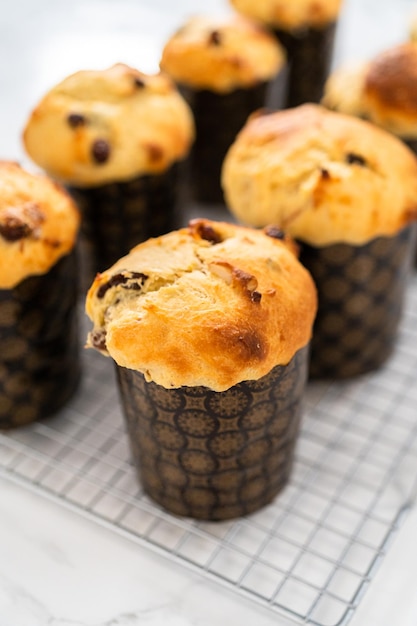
(290, 14)
(97, 127)
(38, 224)
(222, 54)
(322, 176)
(384, 90)
(212, 304)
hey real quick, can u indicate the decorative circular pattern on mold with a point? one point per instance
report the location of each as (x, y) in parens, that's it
(214, 461)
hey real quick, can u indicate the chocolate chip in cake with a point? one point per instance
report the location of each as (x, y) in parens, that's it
(355, 159)
(76, 119)
(98, 339)
(274, 232)
(215, 38)
(133, 285)
(13, 229)
(100, 151)
(255, 296)
(130, 280)
(324, 174)
(139, 82)
(21, 221)
(117, 279)
(205, 231)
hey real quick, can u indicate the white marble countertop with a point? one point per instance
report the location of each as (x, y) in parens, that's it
(56, 567)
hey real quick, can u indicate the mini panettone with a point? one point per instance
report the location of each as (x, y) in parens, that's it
(209, 305)
(39, 341)
(293, 15)
(307, 31)
(222, 54)
(323, 177)
(38, 224)
(115, 138)
(347, 191)
(101, 126)
(226, 68)
(383, 90)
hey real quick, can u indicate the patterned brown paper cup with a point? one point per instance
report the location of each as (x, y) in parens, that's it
(361, 292)
(218, 119)
(215, 455)
(39, 357)
(310, 53)
(117, 216)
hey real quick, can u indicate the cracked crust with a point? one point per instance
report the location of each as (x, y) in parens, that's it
(222, 54)
(290, 14)
(383, 90)
(212, 304)
(322, 176)
(97, 127)
(38, 224)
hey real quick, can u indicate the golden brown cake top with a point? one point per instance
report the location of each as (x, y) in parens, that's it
(290, 14)
(383, 90)
(102, 126)
(209, 305)
(324, 177)
(221, 54)
(38, 224)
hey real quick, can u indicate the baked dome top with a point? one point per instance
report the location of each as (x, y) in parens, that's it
(209, 305)
(101, 126)
(38, 224)
(323, 177)
(382, 90)
(222, 54)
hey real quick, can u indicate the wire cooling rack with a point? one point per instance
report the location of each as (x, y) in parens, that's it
(312, 553)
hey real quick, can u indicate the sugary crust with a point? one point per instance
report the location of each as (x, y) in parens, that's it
(322, 176)
(290, 14)
(38, 224)
(111, 125)
(384, 90)
(222, 54)
(212, 304)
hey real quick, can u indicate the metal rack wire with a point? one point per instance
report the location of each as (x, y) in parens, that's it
(312, 553)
